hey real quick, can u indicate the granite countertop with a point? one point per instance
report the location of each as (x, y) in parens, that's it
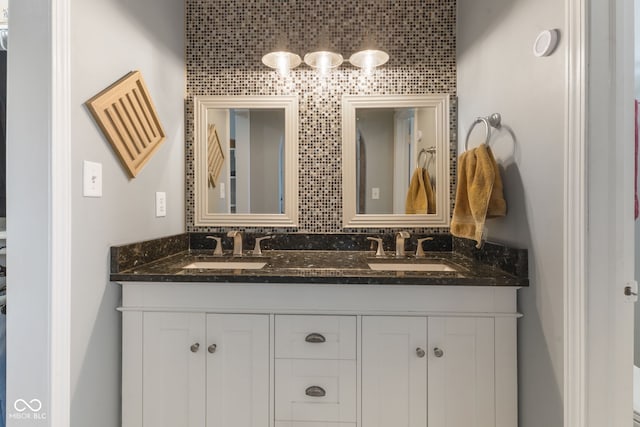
(319, 266)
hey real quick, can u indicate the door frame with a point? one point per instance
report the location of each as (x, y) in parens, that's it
(598, 226)
(60, 215)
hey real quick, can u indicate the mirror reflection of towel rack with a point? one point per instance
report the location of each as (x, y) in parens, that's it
(426, 152)
(494, 120)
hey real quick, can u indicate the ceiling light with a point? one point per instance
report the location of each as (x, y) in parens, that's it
(369, 59)
(281, 61)
(323, 60)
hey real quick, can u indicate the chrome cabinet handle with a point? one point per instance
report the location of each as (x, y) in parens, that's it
(315, 391)
(438, 352)
(195, 347)
(315, 337)
(212, 348)
(420, 352)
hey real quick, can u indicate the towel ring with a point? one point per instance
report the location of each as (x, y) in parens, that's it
(489, 122)
(426, 152)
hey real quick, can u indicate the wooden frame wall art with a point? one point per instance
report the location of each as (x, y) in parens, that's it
(127, 117)
(215, 155)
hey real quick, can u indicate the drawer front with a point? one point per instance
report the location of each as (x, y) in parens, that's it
(315, 337)
(312, 424)
(315, 390)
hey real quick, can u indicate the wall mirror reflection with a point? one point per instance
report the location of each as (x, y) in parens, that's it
(246, 160)
(396, 161)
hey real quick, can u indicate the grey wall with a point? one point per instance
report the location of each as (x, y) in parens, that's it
(267, 132)
(110, 38)
(497, 72)
(28, 214)
(376, 128)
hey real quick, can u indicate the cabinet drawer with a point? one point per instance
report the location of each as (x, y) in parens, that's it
(315, 390)
(312, 424)
(315, 337)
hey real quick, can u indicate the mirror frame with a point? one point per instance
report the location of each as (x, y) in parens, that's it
(290, 105)
(351, 217)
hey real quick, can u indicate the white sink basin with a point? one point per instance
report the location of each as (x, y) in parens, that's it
(379, 266)
(226, 265)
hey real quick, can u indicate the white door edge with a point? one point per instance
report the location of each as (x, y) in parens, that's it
(60, 216)
(598, 253)
(574, 217)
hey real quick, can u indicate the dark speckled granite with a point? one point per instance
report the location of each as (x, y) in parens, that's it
(513, 261)
(321, 241)
(129, 256)
(321, 267)
(319, 258)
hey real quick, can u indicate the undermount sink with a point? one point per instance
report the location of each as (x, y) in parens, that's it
(226, 265)
(380, 266)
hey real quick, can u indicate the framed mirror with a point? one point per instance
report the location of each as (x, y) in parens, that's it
(246, 161)
(395, 154)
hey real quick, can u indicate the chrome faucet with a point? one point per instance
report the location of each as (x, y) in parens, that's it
(218, 249)
(400, 236)
(379, 249)
(257, 250)
(420, 249)
(237, 242)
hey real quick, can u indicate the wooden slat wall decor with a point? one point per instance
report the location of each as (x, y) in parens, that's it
(214, 154)
(127, 117)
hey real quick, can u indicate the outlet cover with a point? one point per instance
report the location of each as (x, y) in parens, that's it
(161, 204)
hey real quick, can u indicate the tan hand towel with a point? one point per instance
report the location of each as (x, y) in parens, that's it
(420, 197)
(428, 189)
(479, 194)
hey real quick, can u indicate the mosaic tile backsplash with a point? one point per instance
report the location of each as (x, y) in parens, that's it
(225, 44)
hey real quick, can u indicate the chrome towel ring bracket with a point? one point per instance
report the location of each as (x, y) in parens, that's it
(494, 120)
(426, 151)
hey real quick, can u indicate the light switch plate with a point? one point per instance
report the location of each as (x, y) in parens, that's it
(92, 179)
(161, 204)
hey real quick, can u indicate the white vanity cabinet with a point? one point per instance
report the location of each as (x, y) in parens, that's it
(318, 355)
(197, 369)
(428, 371)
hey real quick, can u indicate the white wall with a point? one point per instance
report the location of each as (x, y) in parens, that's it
(497, 72)
(109, 38)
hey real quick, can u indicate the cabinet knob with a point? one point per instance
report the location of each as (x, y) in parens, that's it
(438, 352)
(420, 352)
(315, 391)
(195, 347)
(212, 348)
(315, 337)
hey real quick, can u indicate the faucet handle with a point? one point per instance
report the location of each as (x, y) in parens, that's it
(218, 248)
(420, 250)
(380, 249)
(257, 250)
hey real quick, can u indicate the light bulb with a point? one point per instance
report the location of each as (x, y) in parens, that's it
(369, 59)
(281, 61)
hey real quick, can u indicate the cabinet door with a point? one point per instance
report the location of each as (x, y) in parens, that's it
(173, 387)
(237, 370)
(394, 371)
(461, 372)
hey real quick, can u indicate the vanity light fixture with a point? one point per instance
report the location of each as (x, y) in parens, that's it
(281, 61)
(369, 59)
(323, 60)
